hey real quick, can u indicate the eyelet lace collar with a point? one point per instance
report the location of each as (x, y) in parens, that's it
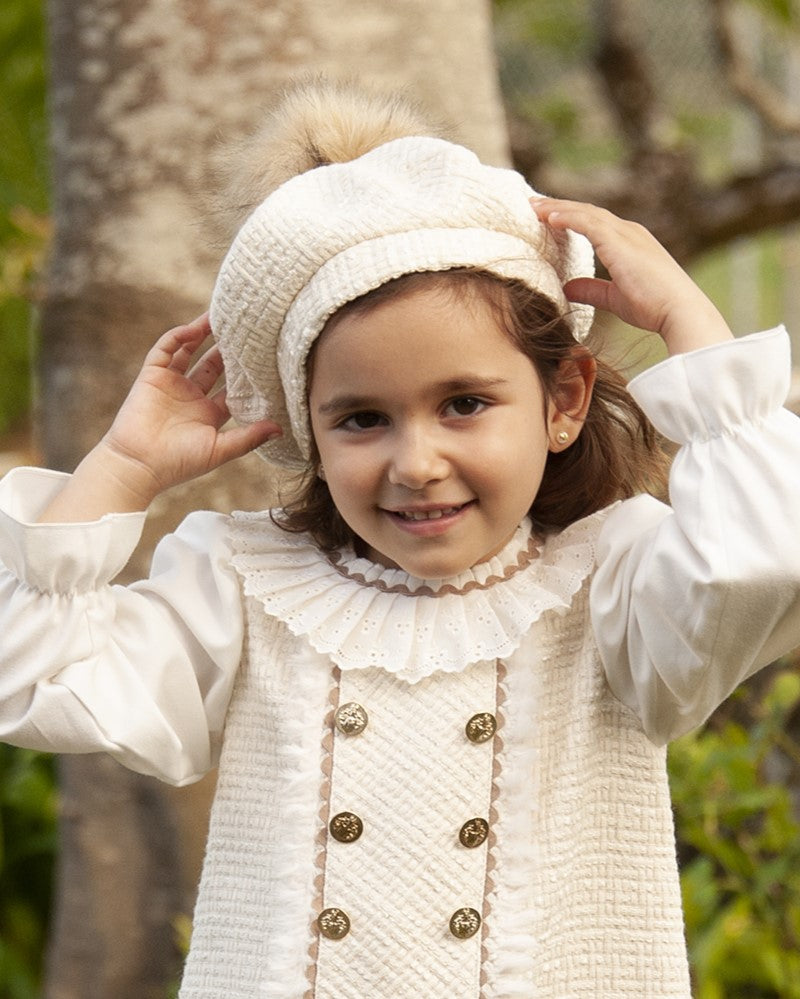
(363, 615)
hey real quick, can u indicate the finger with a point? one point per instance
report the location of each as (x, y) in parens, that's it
(189, 338)
(176, 347)
(589, 291)
(589, 220)
(240, 440)
(547, 206)
(207, 371)
(220, 402)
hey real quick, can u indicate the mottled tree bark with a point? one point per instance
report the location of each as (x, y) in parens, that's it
(141, 90)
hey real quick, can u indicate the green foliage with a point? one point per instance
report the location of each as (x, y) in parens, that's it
(27, 850)
(769, 290)
(27, 792)
(739, 839)
(23, 194)
(783, 10)
(560, 125)
(560, 27)
(23, 179)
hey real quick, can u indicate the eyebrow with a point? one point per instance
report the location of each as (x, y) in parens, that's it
(467, 385)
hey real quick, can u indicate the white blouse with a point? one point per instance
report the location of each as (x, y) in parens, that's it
(685, 601)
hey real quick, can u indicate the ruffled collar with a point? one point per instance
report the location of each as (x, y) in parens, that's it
(362, 614)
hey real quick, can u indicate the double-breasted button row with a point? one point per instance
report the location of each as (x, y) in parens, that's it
(347, 827)
(334, 923)
(465, 922)
(480, 728)
(352, 719)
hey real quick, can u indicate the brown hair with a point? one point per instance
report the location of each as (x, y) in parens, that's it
(616, 455)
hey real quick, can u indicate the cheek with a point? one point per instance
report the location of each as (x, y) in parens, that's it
(515, 462)
(522, 442)
(348, 471)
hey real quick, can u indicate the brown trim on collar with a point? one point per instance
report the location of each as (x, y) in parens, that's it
(529, 554)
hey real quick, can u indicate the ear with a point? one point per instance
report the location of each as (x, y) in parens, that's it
(569, 401)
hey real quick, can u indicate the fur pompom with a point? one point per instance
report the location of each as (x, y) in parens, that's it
(316, 122)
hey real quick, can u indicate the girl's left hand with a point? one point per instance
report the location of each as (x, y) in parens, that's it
(647, 288)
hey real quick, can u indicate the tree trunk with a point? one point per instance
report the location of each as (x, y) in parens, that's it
(140, 91)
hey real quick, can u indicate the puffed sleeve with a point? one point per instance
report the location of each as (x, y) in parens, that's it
(690, 600)
(142, 672)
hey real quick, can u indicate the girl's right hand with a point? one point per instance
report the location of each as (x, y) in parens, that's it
(168, 431)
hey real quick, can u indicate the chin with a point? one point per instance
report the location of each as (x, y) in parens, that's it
(431, 568)
(425, 561)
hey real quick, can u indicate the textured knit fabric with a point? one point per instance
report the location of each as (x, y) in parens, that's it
(330, 235)
(415, 779)
(577, 884)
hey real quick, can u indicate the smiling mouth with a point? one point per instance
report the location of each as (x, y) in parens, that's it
(416, 515)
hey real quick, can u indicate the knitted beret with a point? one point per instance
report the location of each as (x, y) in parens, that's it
(331, 234)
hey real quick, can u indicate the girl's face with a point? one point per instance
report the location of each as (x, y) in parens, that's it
(432, 430)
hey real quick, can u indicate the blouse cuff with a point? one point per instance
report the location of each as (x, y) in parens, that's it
(708, 392)
(59, 558)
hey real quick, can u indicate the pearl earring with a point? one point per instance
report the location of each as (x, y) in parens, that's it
(562, 437)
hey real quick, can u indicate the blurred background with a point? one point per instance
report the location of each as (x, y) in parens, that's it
(684, 115)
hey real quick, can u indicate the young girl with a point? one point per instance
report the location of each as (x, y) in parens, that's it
(439, 681)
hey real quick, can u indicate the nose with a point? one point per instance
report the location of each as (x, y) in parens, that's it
(417, 459)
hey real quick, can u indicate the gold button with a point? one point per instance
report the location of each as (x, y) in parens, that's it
(346, 827)
(473, 833)
(481, 727)
(351, 718)
(333, 923)
(465, 923)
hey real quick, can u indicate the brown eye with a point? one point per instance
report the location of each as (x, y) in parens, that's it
(362, 421)
(466, 405)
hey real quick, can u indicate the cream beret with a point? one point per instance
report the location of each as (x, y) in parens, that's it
(327, 236)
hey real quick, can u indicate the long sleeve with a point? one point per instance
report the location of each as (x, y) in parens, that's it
(687, 602)
(143, 672)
